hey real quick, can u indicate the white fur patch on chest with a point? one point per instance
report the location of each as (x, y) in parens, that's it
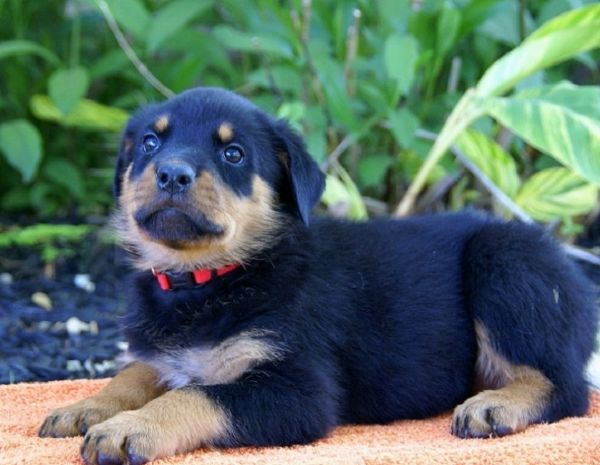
(223, 363)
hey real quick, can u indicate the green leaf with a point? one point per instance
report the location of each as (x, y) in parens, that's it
(372, 169)
(67, 86)
(403, 124)
(561, 121)
(171, 18)
(556, 193)
(86, 115)
(562, 38)
(253, 43)
(491, 159)
(400, 57)
(132, 15)
(10, 48)
(448, 25)
(21, 144)
(65, 174)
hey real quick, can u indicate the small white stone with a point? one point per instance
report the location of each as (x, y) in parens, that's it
(94, 327)
(103, 367)
(42, 300)
(122, 345)
(75, 326)
(6, 278)
(83, 281)
(89, 367)
(74, 365)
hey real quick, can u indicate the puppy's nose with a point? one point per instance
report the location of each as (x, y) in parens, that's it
(175, 178)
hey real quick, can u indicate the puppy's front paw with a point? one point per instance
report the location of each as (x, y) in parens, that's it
(127, 438)
(75, 419)
(493, 414)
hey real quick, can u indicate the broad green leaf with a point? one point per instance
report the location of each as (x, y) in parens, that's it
(372, 169)
(10, 48)
(86, 115)
(66, 87)
(132, 15)
(171, 18)
(584, 100)
(448, 25)
(580, 17)
(558, 122)
(65, 174)
(556, 193)
(21, 144)
(562, 38)
(403, 124)
(400, 57)
(338, 102)
(491, 159)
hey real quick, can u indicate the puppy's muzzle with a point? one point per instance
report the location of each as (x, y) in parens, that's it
(175, 177)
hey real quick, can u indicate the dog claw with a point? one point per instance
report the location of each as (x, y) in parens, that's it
(104, 459)
(135, 459)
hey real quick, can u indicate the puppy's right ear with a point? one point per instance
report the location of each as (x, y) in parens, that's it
(123, 161)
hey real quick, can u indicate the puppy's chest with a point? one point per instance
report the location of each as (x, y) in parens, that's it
(221, 363)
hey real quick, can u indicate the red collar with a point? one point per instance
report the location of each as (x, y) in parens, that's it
(169, 281)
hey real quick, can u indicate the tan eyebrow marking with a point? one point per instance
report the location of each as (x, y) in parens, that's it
(162, 123)
(225, 132)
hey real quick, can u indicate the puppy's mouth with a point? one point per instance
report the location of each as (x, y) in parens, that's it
(174, 226)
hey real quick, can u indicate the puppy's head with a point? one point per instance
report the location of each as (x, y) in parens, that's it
(207, 179)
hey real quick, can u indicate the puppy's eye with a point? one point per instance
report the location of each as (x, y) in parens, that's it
(233, 154)
(150, 143)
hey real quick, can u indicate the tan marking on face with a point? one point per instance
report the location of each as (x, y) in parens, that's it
(176, 422)
(223, 363)
(162, 123)
(521, 395)
(250, 224)
(225, 132)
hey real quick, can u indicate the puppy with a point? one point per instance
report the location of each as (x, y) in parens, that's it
(251, 324)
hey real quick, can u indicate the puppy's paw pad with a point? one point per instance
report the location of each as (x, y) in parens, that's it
(487, 414)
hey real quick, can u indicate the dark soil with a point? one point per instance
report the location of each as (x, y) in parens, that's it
(79, 336)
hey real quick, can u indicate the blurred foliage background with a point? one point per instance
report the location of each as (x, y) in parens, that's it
(368, 83)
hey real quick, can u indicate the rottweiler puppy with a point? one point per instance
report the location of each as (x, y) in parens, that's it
(251, 324)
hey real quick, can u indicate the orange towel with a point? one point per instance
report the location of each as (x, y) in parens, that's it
(573, 441)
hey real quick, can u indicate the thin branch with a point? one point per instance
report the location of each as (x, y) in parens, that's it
(122, 41)
(574, 251)
(335, 154)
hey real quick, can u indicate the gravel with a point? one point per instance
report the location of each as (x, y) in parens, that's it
(64, 327)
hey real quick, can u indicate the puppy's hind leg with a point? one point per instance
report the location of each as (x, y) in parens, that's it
(535, 321)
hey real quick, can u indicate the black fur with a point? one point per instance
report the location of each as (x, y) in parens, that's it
(376, 319)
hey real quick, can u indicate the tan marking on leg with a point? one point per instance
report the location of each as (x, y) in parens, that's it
(162, 123)
(133, 387)
(179, 421)
(225, 132)
(522, 395)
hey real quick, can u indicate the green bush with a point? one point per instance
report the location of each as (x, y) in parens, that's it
(365, 81)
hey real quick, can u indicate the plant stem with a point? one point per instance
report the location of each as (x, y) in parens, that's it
(464, 113)
(122, 41)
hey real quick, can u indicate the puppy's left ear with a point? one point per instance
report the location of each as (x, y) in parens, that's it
(306, 180)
